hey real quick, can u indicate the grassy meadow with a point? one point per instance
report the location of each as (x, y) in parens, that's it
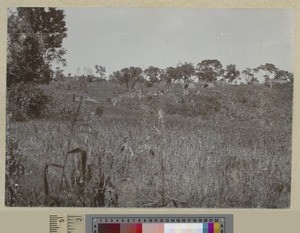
(161, 146)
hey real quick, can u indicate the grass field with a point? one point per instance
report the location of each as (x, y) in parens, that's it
(221, 147)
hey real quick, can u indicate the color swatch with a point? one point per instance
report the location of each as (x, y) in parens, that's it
(159, 228)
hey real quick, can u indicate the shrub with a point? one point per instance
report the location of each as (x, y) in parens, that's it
(59, 108)
(26, 101)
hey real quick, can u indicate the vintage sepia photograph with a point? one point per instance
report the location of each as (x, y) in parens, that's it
(149, 107)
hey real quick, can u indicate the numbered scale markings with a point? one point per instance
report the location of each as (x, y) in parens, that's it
(160, 224)
(141, 224)
(67, 224)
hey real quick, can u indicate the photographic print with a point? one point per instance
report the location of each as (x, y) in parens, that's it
(149, 107)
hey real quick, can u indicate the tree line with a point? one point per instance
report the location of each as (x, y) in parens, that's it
(206, 70)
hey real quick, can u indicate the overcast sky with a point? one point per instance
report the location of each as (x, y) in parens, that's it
(123, 37)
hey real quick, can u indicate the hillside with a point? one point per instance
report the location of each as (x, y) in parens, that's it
(162, 146)
(243, 105)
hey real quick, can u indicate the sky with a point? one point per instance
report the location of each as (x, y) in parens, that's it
(162, 37)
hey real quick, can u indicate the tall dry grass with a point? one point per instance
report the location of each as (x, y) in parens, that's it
(219, 167)
(169, 161)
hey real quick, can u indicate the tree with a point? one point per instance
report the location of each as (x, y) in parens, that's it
(270, 71)
(121, 76)
(208, 70)
(100, 70)
(153, 73)
(231, 73)
(35, 38)
(125, 76)
(249, 76)
(171, 74)
(164, 76)
(135, 75)
(135, 72)
(128, 76)
(265, 72)
(185, 70)
(284, 75)
(267, 67)
(34, 43)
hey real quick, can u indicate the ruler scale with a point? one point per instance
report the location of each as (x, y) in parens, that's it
(141, 223)
(57, 224)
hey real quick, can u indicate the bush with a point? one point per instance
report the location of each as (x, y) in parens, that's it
(25, 101)
(59, 108)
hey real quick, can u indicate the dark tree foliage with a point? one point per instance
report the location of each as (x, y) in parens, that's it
(277, 73)
(116, 75)
(267, 67)
(208, 70)
(164, 76)
(250, 76)
(125, 77)
(231, 72)
(100, 70)
(173, 74)
(34, 42)
(153, 73)
(128, 76)
(284, 75)
(135, 72)
(185, 70)
(35, 38)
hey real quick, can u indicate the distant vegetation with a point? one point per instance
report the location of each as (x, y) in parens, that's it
(205, 71)
(184, 136)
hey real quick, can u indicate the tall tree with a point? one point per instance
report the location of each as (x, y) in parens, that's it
(153, 73)
(100, 70)
(135, 75)
(185, 70)
(172, 74)
(249, 76)
(34, 43)
(125, 76)
(265, 72)
(35, 38)
(284, 75)
(231, 73)
(267, 67)
(128, 76)
(208, 70)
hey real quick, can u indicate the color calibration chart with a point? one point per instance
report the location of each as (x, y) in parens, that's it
(160, 224)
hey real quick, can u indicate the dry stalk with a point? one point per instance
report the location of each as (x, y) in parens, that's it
(79, 167)
(49, 199)
(73, 123)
